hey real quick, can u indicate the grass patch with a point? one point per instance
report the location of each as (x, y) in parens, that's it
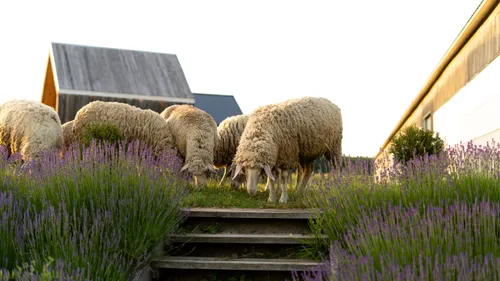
(226, 197)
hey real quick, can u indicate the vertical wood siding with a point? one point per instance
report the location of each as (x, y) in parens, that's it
(70, 104)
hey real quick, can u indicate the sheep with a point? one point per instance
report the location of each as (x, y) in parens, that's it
(167, 111)
(279, 137)
(68, 135)
(195, 136)
(135, 123)
(29, 128)
(229, 132)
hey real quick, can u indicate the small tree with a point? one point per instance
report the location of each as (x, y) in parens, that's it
(413, 141)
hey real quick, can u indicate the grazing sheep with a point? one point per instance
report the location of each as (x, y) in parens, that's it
(29, 127)
(68, 135)
(229, 131)
(134, 123)
(167, 111)
(195, 135)
(280, 137)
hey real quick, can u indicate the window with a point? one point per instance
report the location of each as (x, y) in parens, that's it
(428, 122)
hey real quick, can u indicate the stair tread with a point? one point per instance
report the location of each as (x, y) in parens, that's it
(261, 264)
(252, 213)
(281, 238)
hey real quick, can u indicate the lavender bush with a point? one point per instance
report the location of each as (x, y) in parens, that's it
(50, 272)
(433, 218)
(101, 210)
(465, 172)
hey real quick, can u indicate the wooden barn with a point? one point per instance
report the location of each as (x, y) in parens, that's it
(461, 98)
(77, 75)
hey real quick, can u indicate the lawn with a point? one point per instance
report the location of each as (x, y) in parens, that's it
(224, 196)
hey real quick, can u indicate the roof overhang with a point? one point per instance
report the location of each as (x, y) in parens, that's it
(475, 21)
(127, 96)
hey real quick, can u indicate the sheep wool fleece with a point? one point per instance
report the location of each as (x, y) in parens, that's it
(195, 135)
(68, 136)
(134, 123)
(29, 127)
(229, 131)
(286, 134)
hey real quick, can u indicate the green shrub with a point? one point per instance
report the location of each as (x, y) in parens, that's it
(413, 141)
(101, 132)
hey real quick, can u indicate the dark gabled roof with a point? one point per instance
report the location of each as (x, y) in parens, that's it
(219, 106)
(86, 70)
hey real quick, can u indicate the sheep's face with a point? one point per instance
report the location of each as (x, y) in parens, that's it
(252, 180)
(236, 182)
(199, 172)
(252, 176)
(200, 180)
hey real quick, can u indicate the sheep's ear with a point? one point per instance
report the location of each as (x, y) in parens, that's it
(210, 168)
(184, 167)
(237, 171)
(267, 169)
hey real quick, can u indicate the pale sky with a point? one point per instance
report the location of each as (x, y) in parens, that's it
(371, 58)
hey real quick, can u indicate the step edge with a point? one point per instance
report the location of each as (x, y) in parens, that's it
(176, 262)
(243, 239)
(252, 215)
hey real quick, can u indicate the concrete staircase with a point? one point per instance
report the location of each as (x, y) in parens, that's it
(237, 244)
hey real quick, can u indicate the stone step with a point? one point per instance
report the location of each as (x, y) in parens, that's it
(252, 213)
(245, 264)
(243, 238)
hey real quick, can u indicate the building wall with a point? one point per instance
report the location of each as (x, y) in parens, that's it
(480, 50)
(472, 114)
(68, 105)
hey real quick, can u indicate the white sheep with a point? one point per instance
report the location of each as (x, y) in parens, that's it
(29, 127)
(68, 135)
(195, 136)
(280, 137)
(134, 123)
(229, 133)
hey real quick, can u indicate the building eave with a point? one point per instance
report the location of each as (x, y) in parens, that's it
(127, 96)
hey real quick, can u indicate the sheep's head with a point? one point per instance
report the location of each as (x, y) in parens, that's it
(252, 175)
(199, 172)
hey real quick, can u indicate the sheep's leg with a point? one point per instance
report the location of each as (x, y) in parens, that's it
(283, 182)
(308, 169)
(223, 176)
(272, 190)
(299, 176)
(268, 184)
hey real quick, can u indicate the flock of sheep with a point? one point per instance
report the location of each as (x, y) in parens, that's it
(274, 139)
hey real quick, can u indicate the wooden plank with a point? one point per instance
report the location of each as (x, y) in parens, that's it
(119, 71)
(49, 87)
(234, 263)
(70, 104)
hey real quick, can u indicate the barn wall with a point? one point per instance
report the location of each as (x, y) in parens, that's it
(49, 94)
(480, 50)
(473, 111)
(69, 105)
